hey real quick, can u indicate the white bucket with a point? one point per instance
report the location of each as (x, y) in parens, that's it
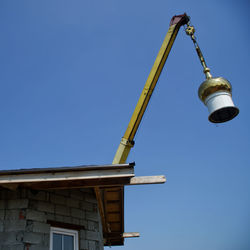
(221, 107)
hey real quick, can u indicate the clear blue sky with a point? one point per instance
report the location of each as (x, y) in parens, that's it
(71, 75)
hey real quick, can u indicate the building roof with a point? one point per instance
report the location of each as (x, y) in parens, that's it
(108, 179)
(68, 177)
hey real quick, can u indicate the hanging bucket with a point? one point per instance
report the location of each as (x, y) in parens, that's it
(216, 94)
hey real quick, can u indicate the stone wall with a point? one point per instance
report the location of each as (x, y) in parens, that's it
(27, 215)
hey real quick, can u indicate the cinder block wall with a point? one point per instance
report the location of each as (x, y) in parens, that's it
(27, 215)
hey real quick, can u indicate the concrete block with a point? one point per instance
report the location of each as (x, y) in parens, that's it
(62, 218)
(2, 204)
(46, 239)
(2, 214)
(51, 216)
(64, 192)
(84, 223)
(77, 213)
(97, 245)
(57, 199)
(90, 235)
(93, 226)
(37, 195)
(33, 238)
(19, 236)
(13, 247)
(92, 245)
(82, 234)
(17, 203)
(77, 194)
(88, 206)
(76, 221)
(24, 193)
(63, 210)
(100, 245)
(70, 202)
(2, 191)
(14, 225)
(84, 245)
(1, 226)
(12, 195)
(29, 226)
(35, 215)
(90, 198)
(59, 218)
(37, 247)
(40, 227)
(45, 206)
(8, 238)
(15, 214)
(67, 219)
(92, 216)
(100, 229)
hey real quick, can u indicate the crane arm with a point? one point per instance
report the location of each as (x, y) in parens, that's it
(127, 140)
(111, 199)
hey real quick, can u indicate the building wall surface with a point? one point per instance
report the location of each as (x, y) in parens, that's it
(27, 215)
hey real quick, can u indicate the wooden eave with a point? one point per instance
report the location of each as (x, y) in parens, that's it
(68, 177)
(107, 180)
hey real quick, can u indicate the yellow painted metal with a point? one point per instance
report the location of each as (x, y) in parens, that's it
(122, 151)
(127, 141)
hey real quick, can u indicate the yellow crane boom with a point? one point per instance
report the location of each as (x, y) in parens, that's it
(128, 139)
(111, 200)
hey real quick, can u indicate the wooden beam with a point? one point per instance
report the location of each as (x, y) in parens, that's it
(107, 182)
(89, 183)
(142, 180)
(115, 235)
(88, 174)
(12, 186)
(101, 209)
(131, 235)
